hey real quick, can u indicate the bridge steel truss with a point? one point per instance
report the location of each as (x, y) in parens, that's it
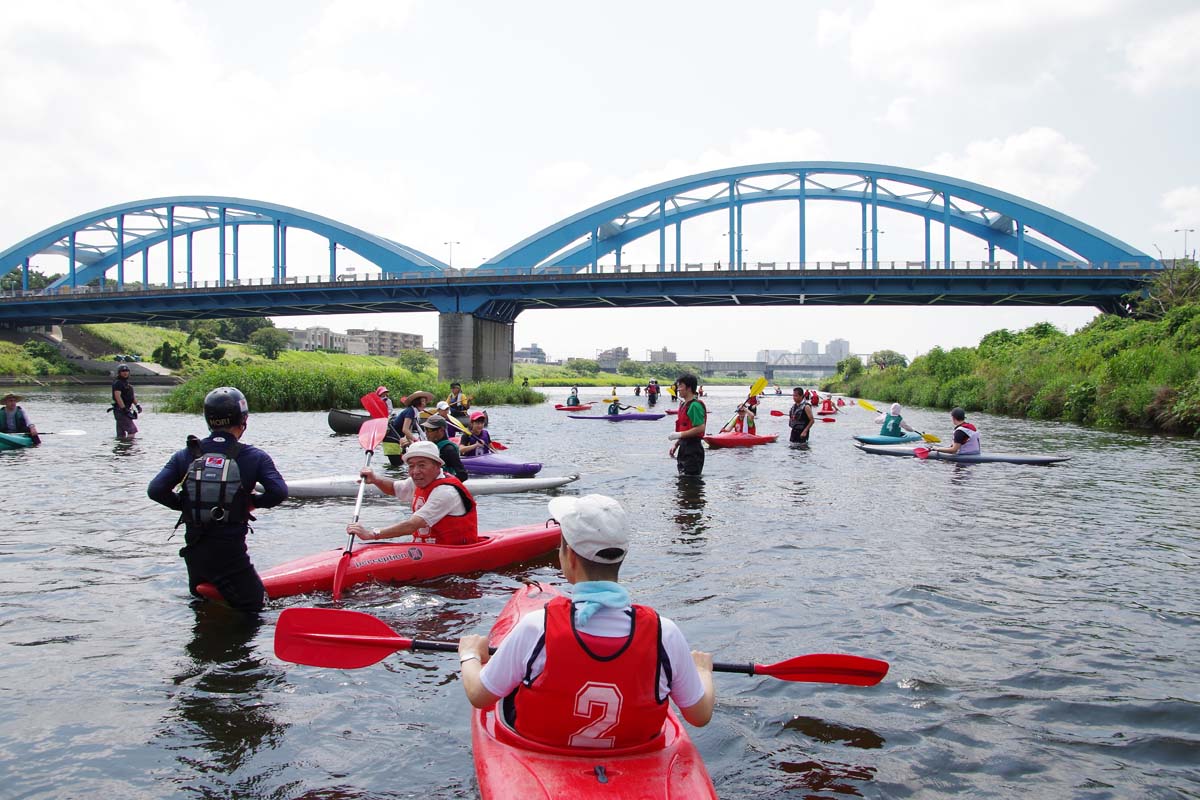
(97, 242)
(1033, 234)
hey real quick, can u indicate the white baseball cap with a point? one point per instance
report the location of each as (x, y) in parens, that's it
(442, 405)
(592, 523)
(423, 450)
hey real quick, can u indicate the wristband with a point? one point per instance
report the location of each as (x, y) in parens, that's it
(472, 656)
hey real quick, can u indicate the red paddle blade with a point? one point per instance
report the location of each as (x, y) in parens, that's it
(826, 668)
(339, 574)
(372, 432)
(498, 446)
(921, 452)
(327, 637)
(828, 419)
(775, 412)
(374, 404)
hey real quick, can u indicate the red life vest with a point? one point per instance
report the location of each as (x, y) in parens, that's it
(682, 421)
(450, 529)
(589, 695)
(739, 425)
(827, 404)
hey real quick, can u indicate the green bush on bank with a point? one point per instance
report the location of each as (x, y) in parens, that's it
(283, 387)
(1114, 372)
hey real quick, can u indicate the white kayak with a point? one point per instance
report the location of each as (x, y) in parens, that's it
(347, 486)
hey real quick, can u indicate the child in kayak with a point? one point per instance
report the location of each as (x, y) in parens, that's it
(742, 423)
(595, 642)
(478, 441)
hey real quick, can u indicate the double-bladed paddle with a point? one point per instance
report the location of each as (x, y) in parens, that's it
(929, 437)
(463, 428)
(775, 412)
(369, 436)
(374, 405)
(72, 432)
(330, 637)
(755, 390)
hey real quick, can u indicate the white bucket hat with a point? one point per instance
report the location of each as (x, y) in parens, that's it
(423, 450)
(592, 523)
(894, 410)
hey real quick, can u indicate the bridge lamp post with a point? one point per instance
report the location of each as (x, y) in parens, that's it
(450, 260)
(1185, 232)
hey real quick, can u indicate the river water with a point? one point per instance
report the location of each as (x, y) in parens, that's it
(1041, 622)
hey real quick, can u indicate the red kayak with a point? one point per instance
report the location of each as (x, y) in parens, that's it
(404, 562)
(511, 766)
(827, 413)
(561, 407)
(731, 439)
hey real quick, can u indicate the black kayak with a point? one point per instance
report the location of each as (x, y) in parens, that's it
(342, 421)
(981, 458)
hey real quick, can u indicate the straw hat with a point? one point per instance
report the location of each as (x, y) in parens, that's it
(12, 396)
(412, 398)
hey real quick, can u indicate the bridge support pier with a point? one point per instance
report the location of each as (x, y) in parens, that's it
(474, 349)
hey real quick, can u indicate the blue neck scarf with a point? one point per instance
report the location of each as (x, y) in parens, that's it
(590, 596)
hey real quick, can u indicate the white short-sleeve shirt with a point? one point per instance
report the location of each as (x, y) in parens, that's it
(506, 668)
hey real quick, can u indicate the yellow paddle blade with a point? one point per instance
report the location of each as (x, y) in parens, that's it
(639, 408)
(757, 387)
(868, 406)
(929, 437)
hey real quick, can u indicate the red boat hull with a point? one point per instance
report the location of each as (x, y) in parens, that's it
(719, 440)
(510, 766)
(561, 407)
(405, 562)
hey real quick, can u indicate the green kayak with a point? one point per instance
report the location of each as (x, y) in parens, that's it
(15, 441)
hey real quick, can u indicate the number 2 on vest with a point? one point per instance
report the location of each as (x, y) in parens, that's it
(593, 697)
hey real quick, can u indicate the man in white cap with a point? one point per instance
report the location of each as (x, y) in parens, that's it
(620, 657)
(443, 511)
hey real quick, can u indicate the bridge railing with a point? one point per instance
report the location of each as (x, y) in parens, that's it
(610, 270)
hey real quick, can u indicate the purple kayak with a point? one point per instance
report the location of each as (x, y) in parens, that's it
(619, 417)
(492, 464)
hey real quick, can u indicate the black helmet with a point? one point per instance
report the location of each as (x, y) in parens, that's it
(225, 407)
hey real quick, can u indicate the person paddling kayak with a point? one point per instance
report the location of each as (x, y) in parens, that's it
(15, 420)
(893, 422)
(966, 436)
(216, 477)
(594, 650)
(443, 511)
(688, 438)
(743, 422)
(479, 441)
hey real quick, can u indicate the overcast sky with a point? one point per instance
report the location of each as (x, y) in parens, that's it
(481, 123)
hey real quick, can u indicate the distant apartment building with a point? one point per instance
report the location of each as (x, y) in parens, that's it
(837, 349)
(388, 343)
(809, 348)
(530, 355)
(611, 359)
(354, 342)
(663, 356)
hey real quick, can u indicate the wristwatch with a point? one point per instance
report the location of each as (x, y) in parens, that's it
(466, 658)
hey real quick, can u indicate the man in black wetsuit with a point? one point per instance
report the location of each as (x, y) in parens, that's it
(217, 517)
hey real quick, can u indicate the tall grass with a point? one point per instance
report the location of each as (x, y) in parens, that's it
(274, 386)
(1115, 372)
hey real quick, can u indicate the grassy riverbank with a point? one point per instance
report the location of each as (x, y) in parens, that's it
(297, 384)
(1116, 372)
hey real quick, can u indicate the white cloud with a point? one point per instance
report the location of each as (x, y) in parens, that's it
(899, 113)
(1181, 207)
(343, 21)
(1039, 164)
(1164, 56)
(929, 45)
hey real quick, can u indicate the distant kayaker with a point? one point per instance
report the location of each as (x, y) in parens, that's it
(893, 423)
(687, 446)
(215, 509)
(125, 406)
(743, 422)
(778, 391)
(459, 402)
(966, 436)
(594, 648)
(435, 428)
(443, 510)
(800, 417)
(637, 390)
(652, 392)
(382, 391)
(615, 408)
(573, 397)
(827, 406)
(478, 441)
(15, 420)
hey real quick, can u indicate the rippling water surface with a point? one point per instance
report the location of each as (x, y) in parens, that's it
(1041, 622)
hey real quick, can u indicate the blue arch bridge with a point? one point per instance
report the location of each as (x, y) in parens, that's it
(1035, 256)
